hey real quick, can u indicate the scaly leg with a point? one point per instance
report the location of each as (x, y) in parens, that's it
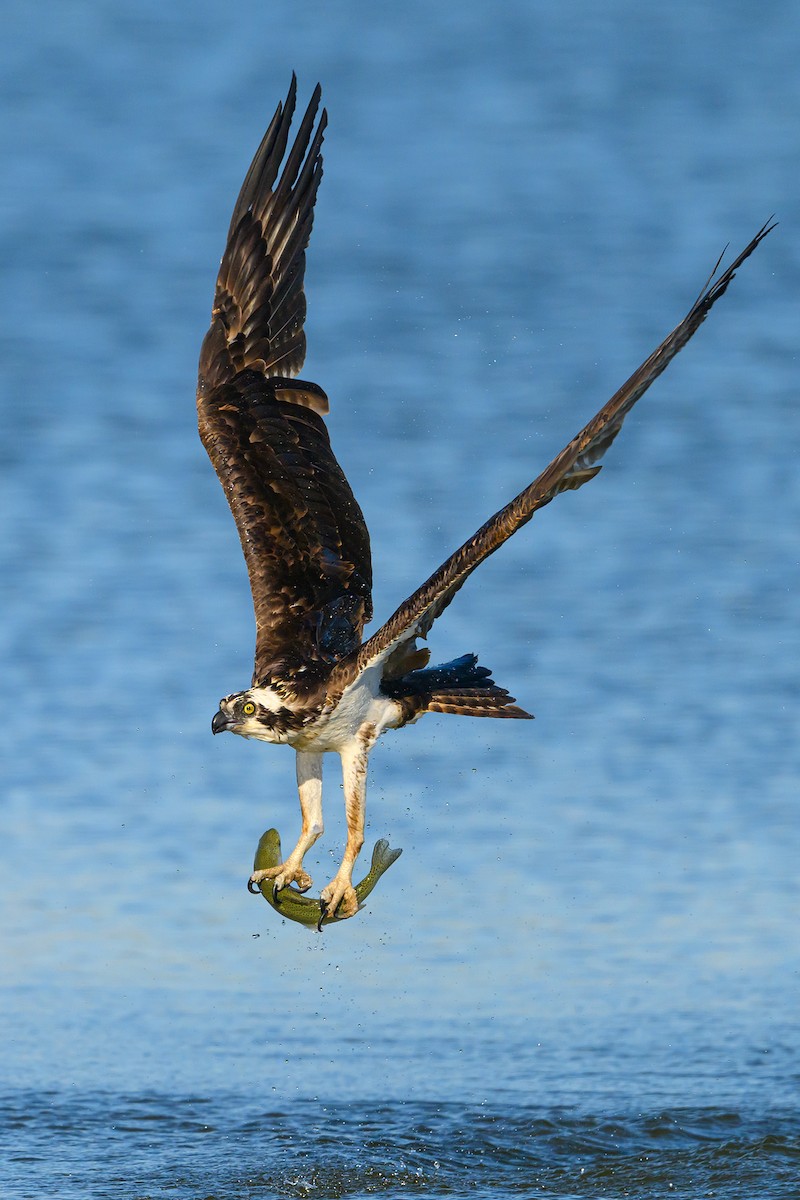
(309, 786)
(339, 897)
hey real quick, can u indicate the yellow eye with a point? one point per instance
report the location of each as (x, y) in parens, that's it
(249, 708)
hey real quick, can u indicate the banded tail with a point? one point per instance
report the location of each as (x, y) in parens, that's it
(461, 686)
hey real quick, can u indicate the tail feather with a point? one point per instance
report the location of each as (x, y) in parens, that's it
(495, 702)
(461, 687)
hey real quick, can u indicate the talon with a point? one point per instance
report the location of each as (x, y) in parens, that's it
(279, 878)
(253, 887)
(340, 902)
(322, 915)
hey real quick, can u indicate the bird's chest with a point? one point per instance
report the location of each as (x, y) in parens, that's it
(360, 705)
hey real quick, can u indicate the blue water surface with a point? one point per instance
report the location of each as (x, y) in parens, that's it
(581, 978)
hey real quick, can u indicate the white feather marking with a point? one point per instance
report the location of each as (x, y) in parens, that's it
(362, 703)
(268, 698)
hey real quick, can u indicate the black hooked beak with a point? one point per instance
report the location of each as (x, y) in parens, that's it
(219, 723)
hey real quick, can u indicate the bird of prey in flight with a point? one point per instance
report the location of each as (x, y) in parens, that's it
(316, 685)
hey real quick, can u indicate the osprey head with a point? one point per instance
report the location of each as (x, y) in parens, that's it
(254, 713)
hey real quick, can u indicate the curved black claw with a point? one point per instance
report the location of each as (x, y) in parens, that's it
(323, 913)
(253, 888)
(275, 899)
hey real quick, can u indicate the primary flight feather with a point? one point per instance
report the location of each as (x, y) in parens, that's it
(315, 685)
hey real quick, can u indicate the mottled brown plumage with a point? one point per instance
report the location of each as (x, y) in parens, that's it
(304, 539)
(305, 542)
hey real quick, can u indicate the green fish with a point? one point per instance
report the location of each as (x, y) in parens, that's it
(293, 904)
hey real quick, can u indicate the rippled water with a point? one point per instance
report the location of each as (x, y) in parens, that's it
(227, 1147)
(581, 978)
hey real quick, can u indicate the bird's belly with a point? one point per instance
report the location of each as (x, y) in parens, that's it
(361, 705)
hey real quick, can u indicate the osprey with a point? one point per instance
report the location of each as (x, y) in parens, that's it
(315, 685)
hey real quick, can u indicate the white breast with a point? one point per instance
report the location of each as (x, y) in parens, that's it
(362, 704)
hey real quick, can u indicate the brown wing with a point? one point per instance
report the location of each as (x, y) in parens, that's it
(570, 469)
(259, 303)
(304, 538)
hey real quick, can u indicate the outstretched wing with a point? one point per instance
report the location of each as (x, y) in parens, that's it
(570, 469)
(304, 538)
